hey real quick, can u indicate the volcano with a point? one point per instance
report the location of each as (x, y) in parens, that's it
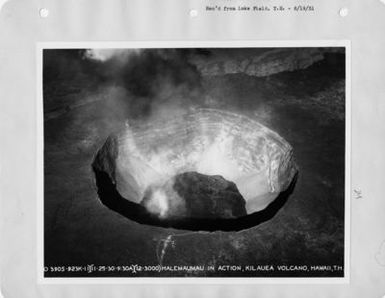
(203, 165)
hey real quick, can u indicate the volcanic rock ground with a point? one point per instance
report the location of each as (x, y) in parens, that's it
(304, 106)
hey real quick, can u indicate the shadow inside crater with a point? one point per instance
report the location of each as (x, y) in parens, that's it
(111, 198)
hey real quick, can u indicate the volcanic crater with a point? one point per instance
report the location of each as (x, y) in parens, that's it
(205, 169)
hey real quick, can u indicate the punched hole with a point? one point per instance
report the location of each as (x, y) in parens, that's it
(43, 12)
(193, 13)
(344, 12)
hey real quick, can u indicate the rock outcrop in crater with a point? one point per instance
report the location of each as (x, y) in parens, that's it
(194, 195)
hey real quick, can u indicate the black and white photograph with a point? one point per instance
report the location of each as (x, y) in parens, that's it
(194, 162)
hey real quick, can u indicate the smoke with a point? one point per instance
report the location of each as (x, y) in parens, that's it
(158, 203)
(101, 89)
(158, 81)
(107, 54)
(146, 85)
(162, 200)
